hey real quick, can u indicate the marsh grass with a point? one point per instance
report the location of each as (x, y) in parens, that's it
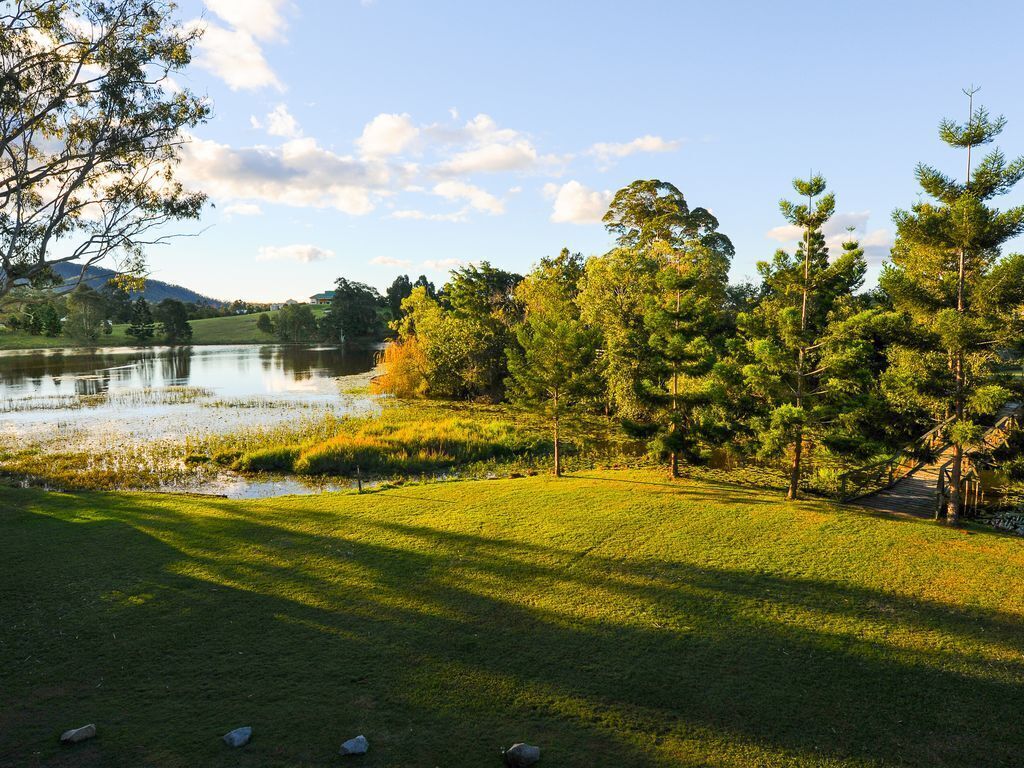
(129, 398)
(416, 438)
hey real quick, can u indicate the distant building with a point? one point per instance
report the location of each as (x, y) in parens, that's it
(322, 298)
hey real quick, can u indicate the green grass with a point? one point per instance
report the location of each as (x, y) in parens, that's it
(24, 340)
(612, 618)
(236, 329)
(403, 440)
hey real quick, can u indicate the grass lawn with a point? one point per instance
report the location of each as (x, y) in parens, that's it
(610, 617)
(235, 329)
(238, 329)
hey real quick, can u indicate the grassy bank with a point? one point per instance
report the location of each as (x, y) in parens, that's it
(399, 439)
(612, 618)
(236, 329)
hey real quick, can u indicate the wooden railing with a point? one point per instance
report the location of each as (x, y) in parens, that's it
(970, 489)
(970, 473)
(883, 474)
(864, 481)
(999, 433)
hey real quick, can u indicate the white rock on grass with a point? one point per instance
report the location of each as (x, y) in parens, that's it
(76, 735)
(521, 755)
(356, 746)
(238, 737)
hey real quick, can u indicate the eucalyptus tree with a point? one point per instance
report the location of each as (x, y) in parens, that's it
(807, 355)
(91, 124)
(963, 297)
(670, 336)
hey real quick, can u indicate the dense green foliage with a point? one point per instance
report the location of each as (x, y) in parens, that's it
(803, 370)
(808, 355)
(355, 314)
(683, 317)
(173, 318)
(86, 318)
(296, 323)
(962, 296)
(553, 368)
(91, 127)
(140, 321)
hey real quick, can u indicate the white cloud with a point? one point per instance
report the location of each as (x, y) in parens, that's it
(876, 243)
(235, 57)
(304, 253)
(516, 156)
(243, 209)
(280, 122)
(299, 173)
(606, 152)
(576, 204)
(417, 215)
(261, 19)
(442, 265)
(488, 149)
(231, 51)
(390, 261)
(387, 135)
(478, 198)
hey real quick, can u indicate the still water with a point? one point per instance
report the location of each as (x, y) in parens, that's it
(156, 402)
(251, 370)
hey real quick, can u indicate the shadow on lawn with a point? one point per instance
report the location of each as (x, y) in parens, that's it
(441, 647)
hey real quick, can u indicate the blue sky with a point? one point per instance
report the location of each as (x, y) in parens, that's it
(368, 139)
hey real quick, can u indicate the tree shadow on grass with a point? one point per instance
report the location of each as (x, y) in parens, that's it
(170, 628)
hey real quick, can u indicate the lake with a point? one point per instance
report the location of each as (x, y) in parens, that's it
(86, 401)
(247, 370)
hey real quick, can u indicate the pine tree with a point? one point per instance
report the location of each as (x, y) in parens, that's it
(964, 299)
(553, 367)
(553, 370)
(686, 323)
(50, 323)
(140, 327)
(807, 359)
(264, 324)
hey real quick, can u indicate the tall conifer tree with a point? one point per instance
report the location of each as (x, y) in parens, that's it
(806, 358)
(962, 296)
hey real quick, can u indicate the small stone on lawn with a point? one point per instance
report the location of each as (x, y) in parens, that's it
(76, 735)
(356, 746)
(238, 737)
(521, 755)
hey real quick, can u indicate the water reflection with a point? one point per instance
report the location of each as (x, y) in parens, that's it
(230, 371)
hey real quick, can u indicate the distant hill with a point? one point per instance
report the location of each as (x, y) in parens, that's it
(155, 292)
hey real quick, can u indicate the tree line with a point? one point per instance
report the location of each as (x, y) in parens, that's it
(804, 365)
(357, 316)
(84, 315)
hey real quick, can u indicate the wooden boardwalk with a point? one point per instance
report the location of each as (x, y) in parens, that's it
(912, 495)
(915, 494)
